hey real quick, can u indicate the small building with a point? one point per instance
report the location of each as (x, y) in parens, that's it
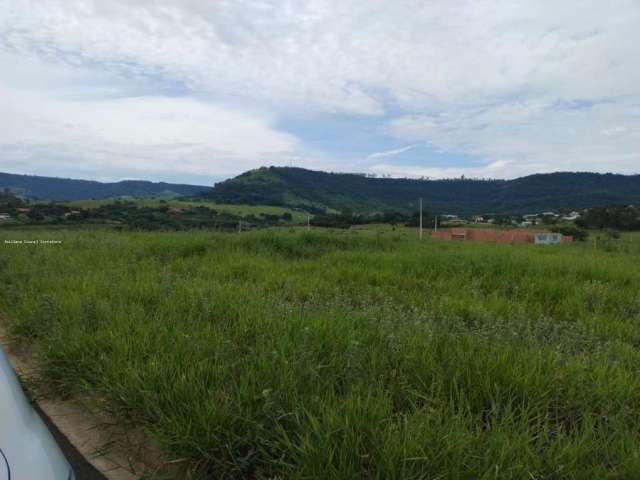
(455, 221)
(571, 217)
(23, 210)
(175, 211)
(5, 216)
(544, 238)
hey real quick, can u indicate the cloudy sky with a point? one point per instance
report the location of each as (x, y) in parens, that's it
(195, 91)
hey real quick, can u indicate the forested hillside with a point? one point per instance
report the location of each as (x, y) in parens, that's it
(52, 188)
(317, 191)
(320, 190)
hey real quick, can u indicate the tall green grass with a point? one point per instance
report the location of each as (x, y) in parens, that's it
(288, 354)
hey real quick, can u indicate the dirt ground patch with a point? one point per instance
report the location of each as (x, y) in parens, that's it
(116, 452)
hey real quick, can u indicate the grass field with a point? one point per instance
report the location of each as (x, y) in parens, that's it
(335, 355)
(243, 210)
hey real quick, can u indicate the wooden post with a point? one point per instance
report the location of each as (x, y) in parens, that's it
(420, 218)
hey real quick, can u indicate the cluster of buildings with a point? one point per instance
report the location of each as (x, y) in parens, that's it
(455, 228)
(512, 236)
(19, 211)
(548, 217)
(521, 221)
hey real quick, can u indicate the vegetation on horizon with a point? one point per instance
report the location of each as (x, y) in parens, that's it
(316, 191)
(345, 354)
(616, 217)
(187, 202)
(53, 188)
(144, 214)
(185, 213)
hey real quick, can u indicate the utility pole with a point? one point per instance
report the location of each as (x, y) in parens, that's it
(240, 226)
(420, 218)
(435, 224)
(308, 222)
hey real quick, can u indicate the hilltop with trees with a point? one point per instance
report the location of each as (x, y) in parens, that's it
(320, 192)
(53, 188)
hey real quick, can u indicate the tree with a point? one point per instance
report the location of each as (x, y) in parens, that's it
(613, 217)
(9, 200)
(578, 234)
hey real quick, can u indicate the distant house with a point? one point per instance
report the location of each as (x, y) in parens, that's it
(513, 236)
(23, 210)
(455, 221)
(547, 238)
(174, 211)
(5, 216)
(571, 217)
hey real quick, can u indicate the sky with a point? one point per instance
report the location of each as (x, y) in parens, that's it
(196, 91)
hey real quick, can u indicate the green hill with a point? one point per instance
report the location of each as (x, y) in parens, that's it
(52, 188)
(314, 190)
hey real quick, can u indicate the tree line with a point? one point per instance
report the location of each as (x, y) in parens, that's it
(618, 217)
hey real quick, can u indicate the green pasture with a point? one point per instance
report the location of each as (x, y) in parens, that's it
(365, 353)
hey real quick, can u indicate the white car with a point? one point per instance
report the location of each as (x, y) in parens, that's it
(28, 451)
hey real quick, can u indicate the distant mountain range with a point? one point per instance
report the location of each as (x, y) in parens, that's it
(317, 191)
(314, 190)
(51, 188)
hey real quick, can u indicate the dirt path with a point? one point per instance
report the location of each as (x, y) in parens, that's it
(115, 452)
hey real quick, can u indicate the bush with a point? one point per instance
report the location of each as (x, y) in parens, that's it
(331, 221)
(578, 234)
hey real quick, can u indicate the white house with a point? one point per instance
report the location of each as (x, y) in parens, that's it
(571, 217)
(547, 238)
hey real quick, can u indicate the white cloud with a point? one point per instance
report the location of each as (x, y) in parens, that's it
(524, 138)
(391, 153)
(496, 79)
(88, 128)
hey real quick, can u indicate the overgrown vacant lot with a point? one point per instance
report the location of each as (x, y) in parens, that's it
(281, 354)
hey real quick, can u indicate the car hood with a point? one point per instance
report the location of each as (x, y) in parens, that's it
(4, 467)
(27, 448)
